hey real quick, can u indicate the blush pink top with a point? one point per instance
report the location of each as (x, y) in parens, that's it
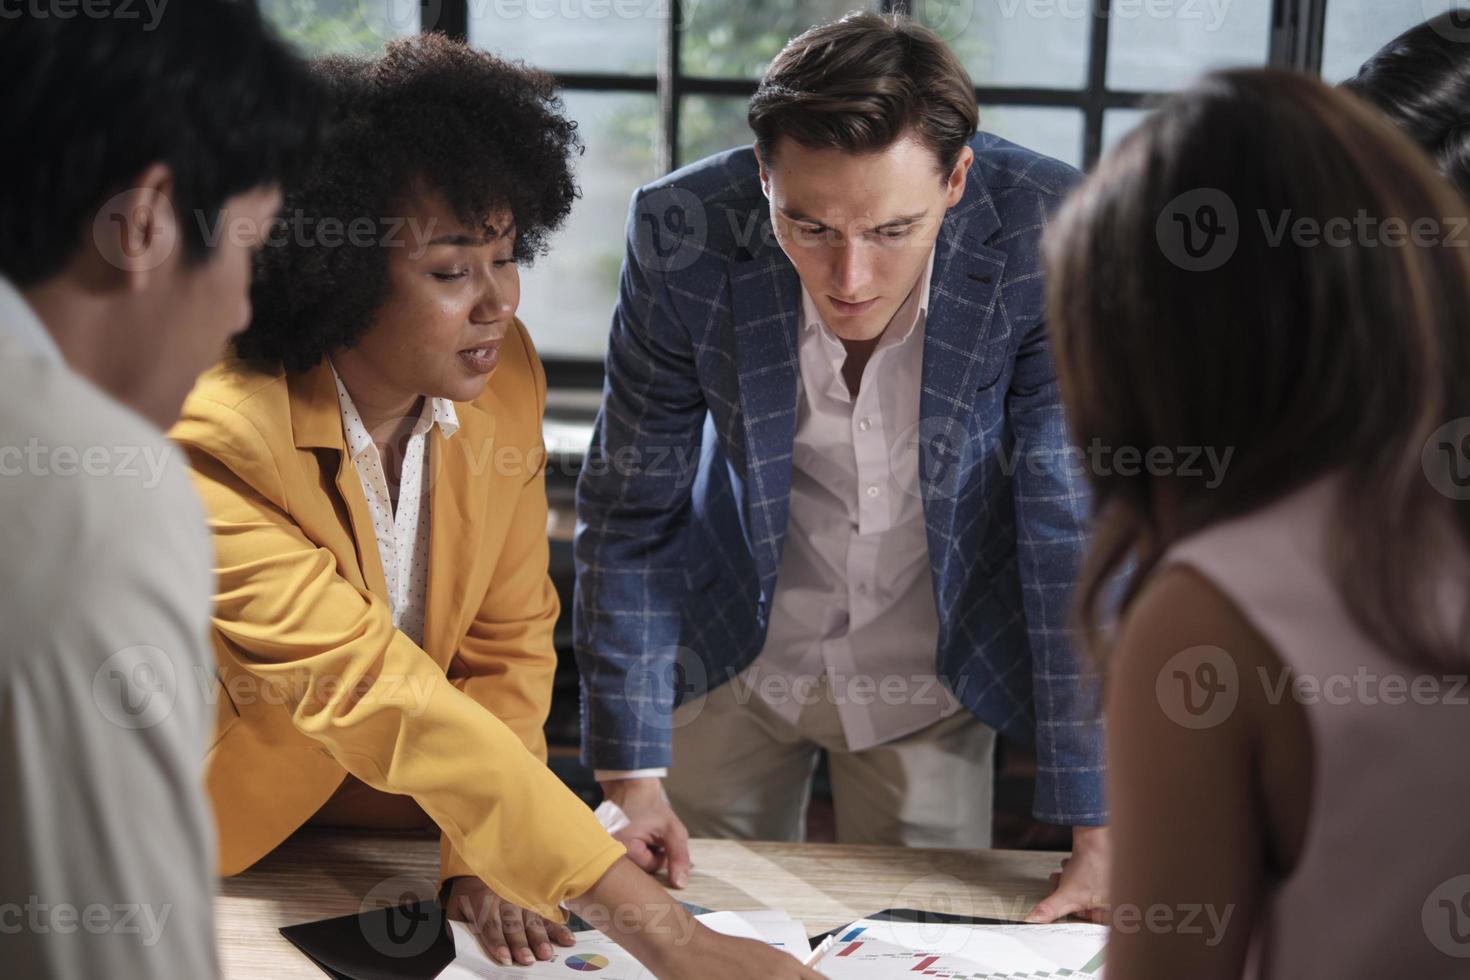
(1382, 888)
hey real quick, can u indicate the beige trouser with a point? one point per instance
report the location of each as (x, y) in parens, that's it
(741, 771)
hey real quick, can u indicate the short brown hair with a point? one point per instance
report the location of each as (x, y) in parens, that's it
(861, 83)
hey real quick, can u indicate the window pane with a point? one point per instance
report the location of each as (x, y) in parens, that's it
(1357, 28)
(1160, 45)
(358, 27)
(718, 40)
(710, 124)
(1032, 43)
(1054, 132)
(571, 35)
(567, 296)
(1117, 123)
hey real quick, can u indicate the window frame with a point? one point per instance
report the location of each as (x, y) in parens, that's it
(1295, 42)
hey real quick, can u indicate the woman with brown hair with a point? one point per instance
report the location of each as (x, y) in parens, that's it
(1265, 270)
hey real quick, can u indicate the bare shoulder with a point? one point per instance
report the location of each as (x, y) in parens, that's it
(1181, 619)
(1194, 685)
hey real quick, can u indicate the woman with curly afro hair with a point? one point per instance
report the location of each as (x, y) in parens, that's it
(370, 454)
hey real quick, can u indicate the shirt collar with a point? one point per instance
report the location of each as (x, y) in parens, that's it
(436, 411)
(20, 322)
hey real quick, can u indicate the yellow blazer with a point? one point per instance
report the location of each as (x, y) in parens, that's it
(314, 681)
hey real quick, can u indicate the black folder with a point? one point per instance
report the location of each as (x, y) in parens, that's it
(403, 942)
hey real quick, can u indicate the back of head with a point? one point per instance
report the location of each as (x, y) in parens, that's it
(203, 86)
(861, 83)
(1421, 80)
(1266, 266)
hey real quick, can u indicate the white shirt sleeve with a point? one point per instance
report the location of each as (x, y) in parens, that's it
(607, 775)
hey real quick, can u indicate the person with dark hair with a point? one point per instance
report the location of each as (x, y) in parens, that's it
(822, 510)
(371, 457)
(1421, 80)
(1286, 685)
(128, 144)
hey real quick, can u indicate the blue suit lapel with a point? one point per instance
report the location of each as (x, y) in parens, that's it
(959, 356)
(766, 300)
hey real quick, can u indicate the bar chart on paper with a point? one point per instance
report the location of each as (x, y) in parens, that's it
(871, 950)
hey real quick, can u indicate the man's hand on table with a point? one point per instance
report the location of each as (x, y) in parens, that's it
(655, 838)
(507, 933)
(1081, 887)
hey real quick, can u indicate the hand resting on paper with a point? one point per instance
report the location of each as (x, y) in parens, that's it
(507, 933)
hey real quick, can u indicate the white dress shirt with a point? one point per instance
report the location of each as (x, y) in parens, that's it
(854, 608)
(402, 532)
(854, 617)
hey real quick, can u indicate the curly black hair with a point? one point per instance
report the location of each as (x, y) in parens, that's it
(487, 134)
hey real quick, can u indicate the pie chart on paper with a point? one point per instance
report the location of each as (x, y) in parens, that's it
(586, 962)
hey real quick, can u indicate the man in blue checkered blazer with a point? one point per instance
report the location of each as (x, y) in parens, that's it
(830, 503)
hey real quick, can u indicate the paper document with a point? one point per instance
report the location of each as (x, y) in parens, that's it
(597, 954)
(873, 950)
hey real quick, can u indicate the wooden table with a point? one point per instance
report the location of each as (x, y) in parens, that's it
(320, 874)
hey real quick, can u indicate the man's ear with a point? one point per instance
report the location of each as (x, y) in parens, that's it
(137, 230)
(765, 174)
(955, 182)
